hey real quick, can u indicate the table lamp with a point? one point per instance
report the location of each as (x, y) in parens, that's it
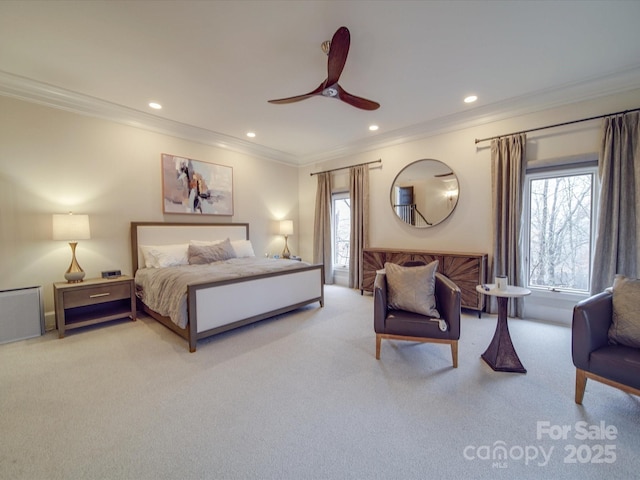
(286, 229)
(73, 228)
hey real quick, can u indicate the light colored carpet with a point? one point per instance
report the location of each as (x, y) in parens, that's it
(302, 397)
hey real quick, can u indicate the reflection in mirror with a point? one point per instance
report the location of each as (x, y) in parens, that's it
(424, 193)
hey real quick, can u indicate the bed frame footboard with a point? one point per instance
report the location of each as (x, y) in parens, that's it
(223, 306)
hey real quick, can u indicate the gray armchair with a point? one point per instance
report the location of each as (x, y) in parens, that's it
(393, 324)
(593, 356)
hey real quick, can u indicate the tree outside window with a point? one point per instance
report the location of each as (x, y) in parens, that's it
(560, 230)
(341, 228)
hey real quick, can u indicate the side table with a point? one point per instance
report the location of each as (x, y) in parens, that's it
(500, 355)
(93, 301)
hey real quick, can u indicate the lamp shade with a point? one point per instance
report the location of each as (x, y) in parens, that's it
(71, 227)
(286, 227)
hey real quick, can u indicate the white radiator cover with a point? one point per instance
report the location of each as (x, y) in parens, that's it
(21, 314)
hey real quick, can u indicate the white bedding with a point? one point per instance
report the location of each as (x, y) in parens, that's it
(164, 290)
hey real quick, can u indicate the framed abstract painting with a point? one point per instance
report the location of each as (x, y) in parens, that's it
(196, 187)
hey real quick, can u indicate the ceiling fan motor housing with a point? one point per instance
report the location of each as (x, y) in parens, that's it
(330, 92)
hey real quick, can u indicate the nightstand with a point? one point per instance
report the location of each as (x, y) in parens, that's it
(93, 301)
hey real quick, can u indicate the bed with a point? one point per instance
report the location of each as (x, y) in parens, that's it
(229, 300)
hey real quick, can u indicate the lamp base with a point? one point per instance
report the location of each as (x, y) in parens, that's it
(74, 274)
(286, 253)
(74, 277)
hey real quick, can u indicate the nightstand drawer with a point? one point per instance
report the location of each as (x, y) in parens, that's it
(99, 294)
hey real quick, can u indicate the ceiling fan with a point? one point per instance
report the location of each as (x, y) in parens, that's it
(337, 49)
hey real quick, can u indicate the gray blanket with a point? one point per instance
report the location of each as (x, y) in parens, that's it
(164, 290)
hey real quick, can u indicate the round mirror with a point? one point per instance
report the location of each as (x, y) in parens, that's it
(424, 193)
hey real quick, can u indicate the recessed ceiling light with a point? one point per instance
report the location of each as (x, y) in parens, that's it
(470, 99)
(373, 128)
(155, 106)
(251, 134)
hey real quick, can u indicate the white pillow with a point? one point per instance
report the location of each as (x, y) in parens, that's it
(243, 248)
(160, 256)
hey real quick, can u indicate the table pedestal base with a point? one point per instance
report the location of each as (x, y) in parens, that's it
(500, 355)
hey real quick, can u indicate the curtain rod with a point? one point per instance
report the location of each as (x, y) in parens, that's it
(556, 125)
(343, 168)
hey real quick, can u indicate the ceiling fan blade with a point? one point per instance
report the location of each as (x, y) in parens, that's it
(297, 98)
(338, 52)
(357, 102)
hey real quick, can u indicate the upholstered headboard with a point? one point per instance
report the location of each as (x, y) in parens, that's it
(160, 233)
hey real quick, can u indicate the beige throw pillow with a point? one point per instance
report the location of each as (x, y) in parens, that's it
(202, 254)
(625, 329)
(412, 288)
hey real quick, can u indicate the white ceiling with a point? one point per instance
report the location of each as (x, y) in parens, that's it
(214, 64)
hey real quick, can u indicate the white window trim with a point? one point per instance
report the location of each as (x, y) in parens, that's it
(337, 196)
(557, 293)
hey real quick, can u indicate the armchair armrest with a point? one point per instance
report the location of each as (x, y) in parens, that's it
(448, 303)
(592, 318)
(379, 302)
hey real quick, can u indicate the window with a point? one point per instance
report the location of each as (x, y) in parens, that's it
(341, 229)
(560, 214)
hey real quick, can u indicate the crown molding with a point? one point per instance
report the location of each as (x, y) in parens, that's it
(51, 96)
(617, 82)
(36, 92)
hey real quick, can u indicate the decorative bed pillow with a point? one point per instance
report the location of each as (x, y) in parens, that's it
(412, 288)
(205, 242)
(243, 248)
(201, 254)
(625, 329)
(160, 256)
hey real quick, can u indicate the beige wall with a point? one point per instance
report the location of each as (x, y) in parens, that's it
(53, 161)
(468, 229)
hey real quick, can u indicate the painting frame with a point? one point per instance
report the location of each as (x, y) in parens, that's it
(195, 187)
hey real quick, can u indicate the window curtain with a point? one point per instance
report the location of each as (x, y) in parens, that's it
(618, 240)
(359, 196)
(508, 165)
(322, 227)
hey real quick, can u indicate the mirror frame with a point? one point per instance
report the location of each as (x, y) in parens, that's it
(408, 216)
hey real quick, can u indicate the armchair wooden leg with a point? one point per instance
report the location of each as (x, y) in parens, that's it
(378, 342)
(581, 383)
(454, 353)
